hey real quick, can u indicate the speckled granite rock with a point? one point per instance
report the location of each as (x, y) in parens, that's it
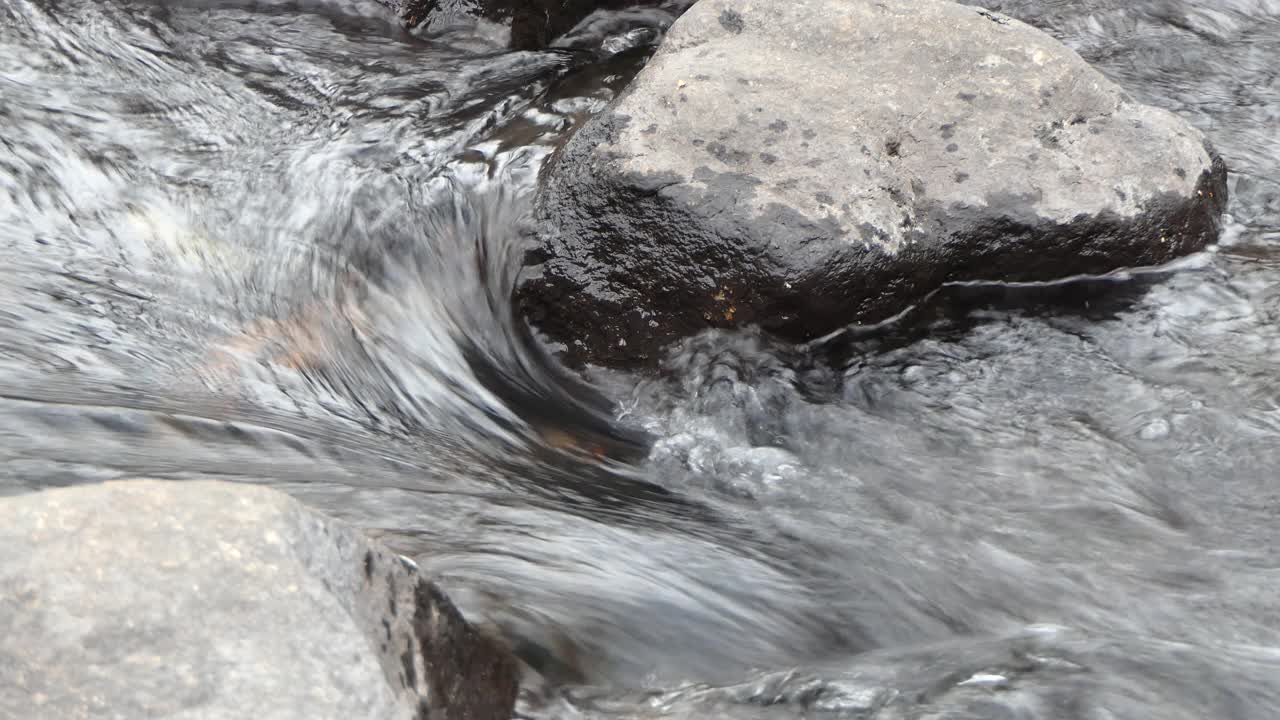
(148, 599)
(805, 164)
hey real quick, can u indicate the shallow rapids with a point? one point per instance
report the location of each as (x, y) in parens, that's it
(275, 242)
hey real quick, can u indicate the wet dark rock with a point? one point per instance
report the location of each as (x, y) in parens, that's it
(201, 599)
(803, 166)
(534, 23)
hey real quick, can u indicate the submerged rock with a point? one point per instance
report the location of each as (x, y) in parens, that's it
(534, 23)
(202, 599)
(803, 165)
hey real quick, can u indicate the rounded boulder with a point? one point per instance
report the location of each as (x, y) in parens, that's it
(802, 165)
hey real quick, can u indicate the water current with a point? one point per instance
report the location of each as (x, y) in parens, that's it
(275, 242)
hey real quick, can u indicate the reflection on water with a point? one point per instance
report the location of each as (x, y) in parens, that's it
(274, 242)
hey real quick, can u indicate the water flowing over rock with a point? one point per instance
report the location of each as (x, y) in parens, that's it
(534, 23)
(804, 165)
(200, 599)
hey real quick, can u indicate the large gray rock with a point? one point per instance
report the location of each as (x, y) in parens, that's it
(208, 600)
(805, 164)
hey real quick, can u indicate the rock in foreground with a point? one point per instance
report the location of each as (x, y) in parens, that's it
(208, 600)
(806, 164)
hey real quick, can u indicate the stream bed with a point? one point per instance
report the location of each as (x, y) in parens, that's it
(275, 242)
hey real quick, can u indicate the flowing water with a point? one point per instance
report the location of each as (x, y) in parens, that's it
(275, 242)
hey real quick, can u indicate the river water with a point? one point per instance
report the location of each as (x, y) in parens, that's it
(275, 242)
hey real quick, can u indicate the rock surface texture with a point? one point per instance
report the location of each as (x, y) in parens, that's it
(190, 600)
(806, 164)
